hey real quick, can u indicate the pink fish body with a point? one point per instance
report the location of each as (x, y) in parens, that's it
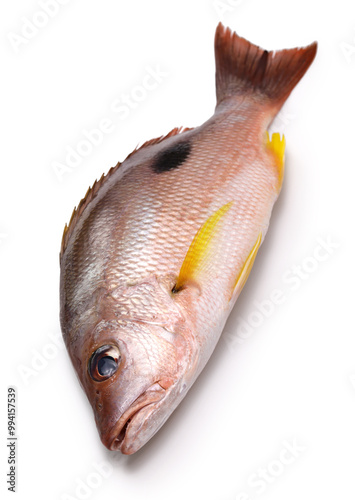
(158, 251)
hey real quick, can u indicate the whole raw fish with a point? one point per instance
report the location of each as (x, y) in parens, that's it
(157, 252)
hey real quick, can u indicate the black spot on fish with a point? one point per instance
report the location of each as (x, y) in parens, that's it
(172, 157)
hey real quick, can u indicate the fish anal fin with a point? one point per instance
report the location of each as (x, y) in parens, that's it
(200, 255)
(245, 271)
(276, 145)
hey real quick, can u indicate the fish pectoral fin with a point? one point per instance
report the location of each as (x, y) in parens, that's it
(277, 146)
(200, 256)
(245, 271)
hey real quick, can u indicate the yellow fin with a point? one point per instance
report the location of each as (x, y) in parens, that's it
(277, 146)
(244, 273)
(200, 252)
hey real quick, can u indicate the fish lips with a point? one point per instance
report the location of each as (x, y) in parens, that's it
(138, 423)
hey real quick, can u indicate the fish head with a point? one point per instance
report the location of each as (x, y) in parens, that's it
(134, 376)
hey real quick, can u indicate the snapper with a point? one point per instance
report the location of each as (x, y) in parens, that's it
(158, 251)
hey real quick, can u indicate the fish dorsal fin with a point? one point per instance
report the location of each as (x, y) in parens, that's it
(92, 192)
(157, 140)
(90, 195)
(245, 271)
(201, 253)
(277, 146)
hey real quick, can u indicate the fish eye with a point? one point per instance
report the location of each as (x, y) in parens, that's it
(104, 362)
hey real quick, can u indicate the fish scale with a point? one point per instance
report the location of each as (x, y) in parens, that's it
(158, 251)
(154, 249)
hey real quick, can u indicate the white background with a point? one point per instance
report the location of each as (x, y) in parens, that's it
(292, 380)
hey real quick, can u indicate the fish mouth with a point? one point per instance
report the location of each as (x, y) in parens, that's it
(132, 419)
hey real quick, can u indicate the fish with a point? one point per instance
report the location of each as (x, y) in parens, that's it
(157, 252)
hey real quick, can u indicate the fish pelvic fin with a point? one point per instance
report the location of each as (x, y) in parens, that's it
(276, 145)
(245, 271)
(242, 67)
(201, 253)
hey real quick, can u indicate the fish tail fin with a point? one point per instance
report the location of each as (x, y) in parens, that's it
(244, 68)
